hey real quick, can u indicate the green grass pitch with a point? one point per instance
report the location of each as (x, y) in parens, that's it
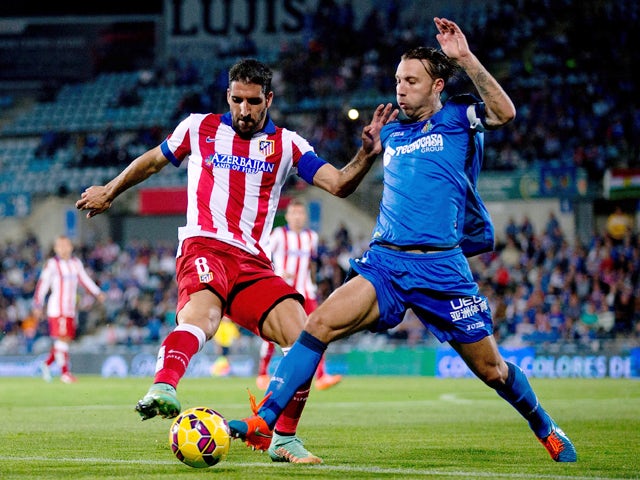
(365, 428)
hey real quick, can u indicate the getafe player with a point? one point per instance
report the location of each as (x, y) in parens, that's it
(430, 219)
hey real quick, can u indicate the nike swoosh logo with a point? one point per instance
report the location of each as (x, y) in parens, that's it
(209, 139)
(258, 433)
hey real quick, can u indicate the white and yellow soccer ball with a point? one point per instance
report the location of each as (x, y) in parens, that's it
(200, 437)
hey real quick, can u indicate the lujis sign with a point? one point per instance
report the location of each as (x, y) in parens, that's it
(220, 18)
(206, 28)
(203, 28)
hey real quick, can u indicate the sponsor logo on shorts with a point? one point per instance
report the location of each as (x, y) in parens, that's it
(475, 326)
(206, 277)
(467, 307)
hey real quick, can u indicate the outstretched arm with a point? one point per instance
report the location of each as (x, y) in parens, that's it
(499, 107)
(343, 182)
(98, 199)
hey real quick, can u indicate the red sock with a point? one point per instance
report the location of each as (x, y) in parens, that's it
(61, 355)
(320, 371)
(288, 421)
(263, 366)
(65, 363)
(52, 356)
(174, 356)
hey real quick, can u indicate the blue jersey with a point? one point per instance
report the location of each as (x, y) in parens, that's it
(430, 173)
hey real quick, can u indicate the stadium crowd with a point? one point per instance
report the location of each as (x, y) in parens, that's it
(543, 290)
(568, 67)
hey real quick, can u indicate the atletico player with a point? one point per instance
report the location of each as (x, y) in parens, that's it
(60, 278)
(237, 163)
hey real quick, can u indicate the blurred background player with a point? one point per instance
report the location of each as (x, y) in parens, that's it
(294, 248)
(60, 277)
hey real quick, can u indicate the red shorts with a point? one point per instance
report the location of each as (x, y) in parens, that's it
(246, 283)
(62, 327)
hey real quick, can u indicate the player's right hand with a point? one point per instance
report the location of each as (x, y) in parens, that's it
(371, 133)
(95, 199)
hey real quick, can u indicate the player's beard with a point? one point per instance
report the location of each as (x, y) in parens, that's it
(250, 125)
(245, 127)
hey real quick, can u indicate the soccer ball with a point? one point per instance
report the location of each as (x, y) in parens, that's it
(200, 437)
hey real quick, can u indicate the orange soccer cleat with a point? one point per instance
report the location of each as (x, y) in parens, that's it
(253, 430)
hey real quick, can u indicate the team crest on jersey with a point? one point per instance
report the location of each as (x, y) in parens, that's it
(206, 277)
(267, 147)
(427, 127)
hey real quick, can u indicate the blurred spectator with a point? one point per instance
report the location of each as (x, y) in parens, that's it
(511, 229)
(510, 254)
(589, 318)
(606, 319)
(536, 295)
(624, 312)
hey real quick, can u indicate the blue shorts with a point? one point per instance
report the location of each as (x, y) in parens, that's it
(437, 286)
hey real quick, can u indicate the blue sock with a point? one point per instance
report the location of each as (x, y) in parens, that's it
(294, 370)
(518, 392)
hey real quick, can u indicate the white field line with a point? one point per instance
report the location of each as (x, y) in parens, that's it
(444, 398)
(409, 472)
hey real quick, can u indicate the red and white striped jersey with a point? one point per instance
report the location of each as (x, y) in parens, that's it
(292, 254)
(234, 184)
(61, 278)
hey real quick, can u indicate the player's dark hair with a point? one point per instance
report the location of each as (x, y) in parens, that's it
(437, 64)
(249, 70)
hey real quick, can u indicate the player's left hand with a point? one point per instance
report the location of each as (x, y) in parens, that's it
(95, 199)
(371, 133)
(452, 41)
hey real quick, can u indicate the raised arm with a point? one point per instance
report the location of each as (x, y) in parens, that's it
(499, 107)
(343, 182)
(98, 199)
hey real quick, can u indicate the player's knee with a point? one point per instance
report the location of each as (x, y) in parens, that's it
(318, 326)
(207, 323)
(494, 375)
